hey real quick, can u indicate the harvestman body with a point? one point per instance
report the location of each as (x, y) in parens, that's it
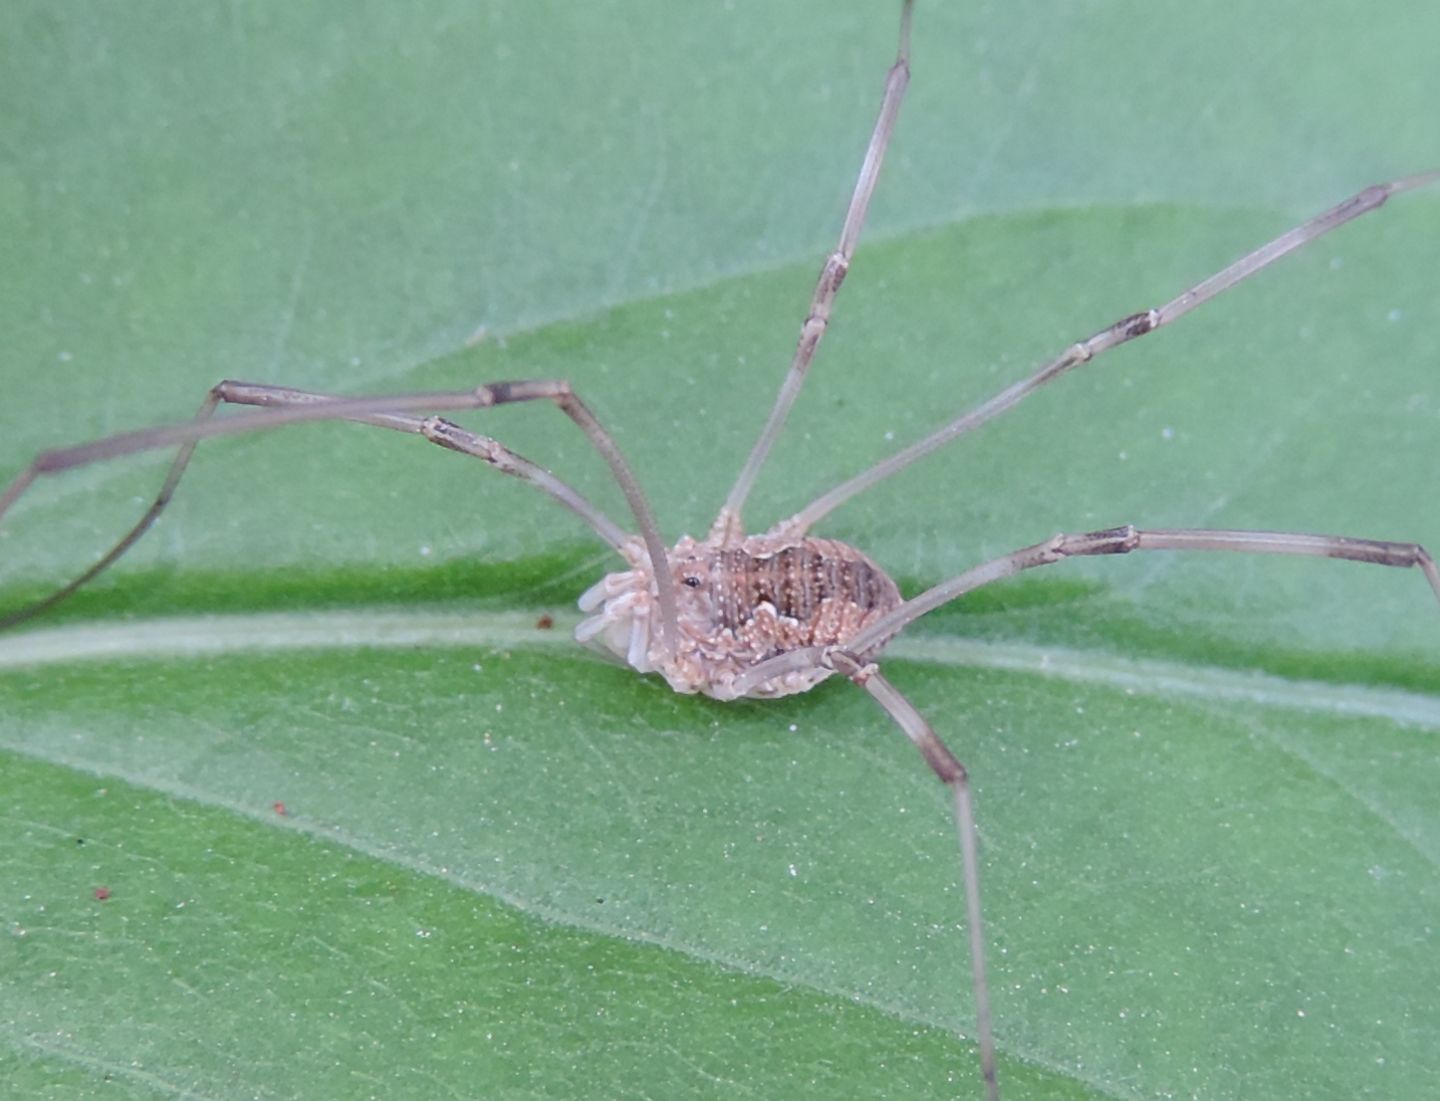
(735, 615)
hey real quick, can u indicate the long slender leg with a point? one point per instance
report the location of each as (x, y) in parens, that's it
(1122, 540)
(954, 776)
(1121, 332)
(837, 264)
(449, 435)
(437, 430)
(285, 406)
(855, 662)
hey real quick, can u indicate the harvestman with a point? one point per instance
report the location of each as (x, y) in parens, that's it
(772, 614)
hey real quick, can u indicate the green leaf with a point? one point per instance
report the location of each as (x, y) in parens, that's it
(1205, 783)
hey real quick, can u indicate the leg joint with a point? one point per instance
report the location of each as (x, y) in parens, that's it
(848, 665)
(1138, 324)
(1121, 540)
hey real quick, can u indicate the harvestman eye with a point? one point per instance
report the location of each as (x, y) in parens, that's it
(785, 609)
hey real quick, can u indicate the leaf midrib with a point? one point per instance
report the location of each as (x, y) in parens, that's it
(204, 636)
